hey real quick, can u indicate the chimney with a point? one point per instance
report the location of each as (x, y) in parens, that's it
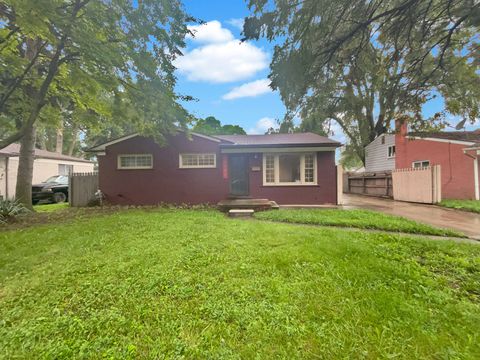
(401, 127)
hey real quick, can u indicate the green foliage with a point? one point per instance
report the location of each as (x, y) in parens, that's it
(364, 64)
(102, 63)
(9, 209)
(212, 126)
(466, 205)
(47, 208)
(197, 285)
(363, 219)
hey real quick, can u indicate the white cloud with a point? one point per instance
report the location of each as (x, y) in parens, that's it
(220, 57)
(210, 32)
(262, 126)
(238, 23)
(251, 89)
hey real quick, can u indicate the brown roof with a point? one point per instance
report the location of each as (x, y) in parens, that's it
(468, 136)
(14, 150)
(295, 139)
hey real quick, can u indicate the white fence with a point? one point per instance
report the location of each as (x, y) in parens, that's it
(422, 185)
(82, 188)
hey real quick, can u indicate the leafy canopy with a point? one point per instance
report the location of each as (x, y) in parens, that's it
(110, 61)
(363, 64)
(212, 126)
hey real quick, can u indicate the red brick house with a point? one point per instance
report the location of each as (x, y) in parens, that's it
(194, 169)
(457, 153)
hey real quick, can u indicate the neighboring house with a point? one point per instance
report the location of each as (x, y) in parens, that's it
(455, 151)
(286, 168)
(459, 171)
(380, 154)
(46, 164)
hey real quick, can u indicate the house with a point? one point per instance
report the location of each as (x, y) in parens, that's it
(455, 151)
(193, 169)
(380, 154)
(46, 164)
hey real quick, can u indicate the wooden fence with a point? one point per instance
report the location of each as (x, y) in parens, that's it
(373, 184)
(82, 188)
(418, 185)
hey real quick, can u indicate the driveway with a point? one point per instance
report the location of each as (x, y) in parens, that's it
(468, 223)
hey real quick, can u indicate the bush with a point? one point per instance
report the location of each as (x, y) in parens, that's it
(10, 209)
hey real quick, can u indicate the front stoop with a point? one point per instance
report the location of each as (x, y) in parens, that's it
(248, 204)
(240, 213)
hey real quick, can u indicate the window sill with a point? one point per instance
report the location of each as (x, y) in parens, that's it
(290, 184)
(136, 168)
(197, 167)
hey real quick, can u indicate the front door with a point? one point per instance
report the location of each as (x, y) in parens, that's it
(238, 171)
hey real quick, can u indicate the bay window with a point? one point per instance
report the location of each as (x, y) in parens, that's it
(290, 169)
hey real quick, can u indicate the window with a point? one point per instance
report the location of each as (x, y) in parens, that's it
(135, 161)
(289, 169)
(64, 169)
(391, 151)
(420, 164)
(197, 161)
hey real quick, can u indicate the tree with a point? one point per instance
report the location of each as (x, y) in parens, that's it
(111, 59)
(212, 126)
(363, 64)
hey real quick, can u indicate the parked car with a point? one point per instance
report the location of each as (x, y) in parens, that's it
(54, 189)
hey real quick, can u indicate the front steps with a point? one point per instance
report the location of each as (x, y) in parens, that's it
(247, 204)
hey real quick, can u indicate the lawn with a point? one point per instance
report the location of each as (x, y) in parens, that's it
(195, 284)
(363, 219)
(466, 205)
(51, 207)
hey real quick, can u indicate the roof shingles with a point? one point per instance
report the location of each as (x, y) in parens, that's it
(14, 150)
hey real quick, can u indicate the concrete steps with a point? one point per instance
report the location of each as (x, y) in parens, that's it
(247, 204)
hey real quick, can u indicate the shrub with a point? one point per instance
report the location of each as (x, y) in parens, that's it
(10, 209)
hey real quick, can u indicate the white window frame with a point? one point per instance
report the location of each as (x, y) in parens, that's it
(388, 151)
(120, 167)
(420, 162)
(181, 166)
(276, 168)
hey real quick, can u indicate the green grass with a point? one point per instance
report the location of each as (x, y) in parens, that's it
(195, 284)
(362, 219)
(50, 207)
(466, 205)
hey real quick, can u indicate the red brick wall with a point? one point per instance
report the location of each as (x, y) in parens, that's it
(166, 182)
(456, 167)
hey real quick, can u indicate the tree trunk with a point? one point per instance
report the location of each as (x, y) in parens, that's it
(73, 143)
(59, 143)
(23, 192)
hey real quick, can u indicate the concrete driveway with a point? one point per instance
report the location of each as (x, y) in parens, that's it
(467, 223)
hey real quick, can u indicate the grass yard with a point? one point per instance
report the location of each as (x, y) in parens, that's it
(466, 205)
(51, 207)
(195, 284)
(363, 219)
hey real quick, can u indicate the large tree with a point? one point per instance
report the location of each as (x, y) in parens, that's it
(111, 59)
(363, 64)
(212, 126)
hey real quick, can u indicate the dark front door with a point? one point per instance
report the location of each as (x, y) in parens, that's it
(238, 173)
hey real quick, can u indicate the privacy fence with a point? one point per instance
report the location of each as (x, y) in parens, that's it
(82, 188)
(421, 185)
(374, 184)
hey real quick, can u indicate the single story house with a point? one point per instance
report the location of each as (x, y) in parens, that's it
(45, 165)
(194, 168)
(454, 151)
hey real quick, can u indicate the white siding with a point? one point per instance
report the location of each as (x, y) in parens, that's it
(42, 170)
(376, 154)
(3, 175)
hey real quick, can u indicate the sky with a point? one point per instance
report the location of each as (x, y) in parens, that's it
(229, 78)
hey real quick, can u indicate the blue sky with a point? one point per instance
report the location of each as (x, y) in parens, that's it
(215, 65)
(229, 79)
